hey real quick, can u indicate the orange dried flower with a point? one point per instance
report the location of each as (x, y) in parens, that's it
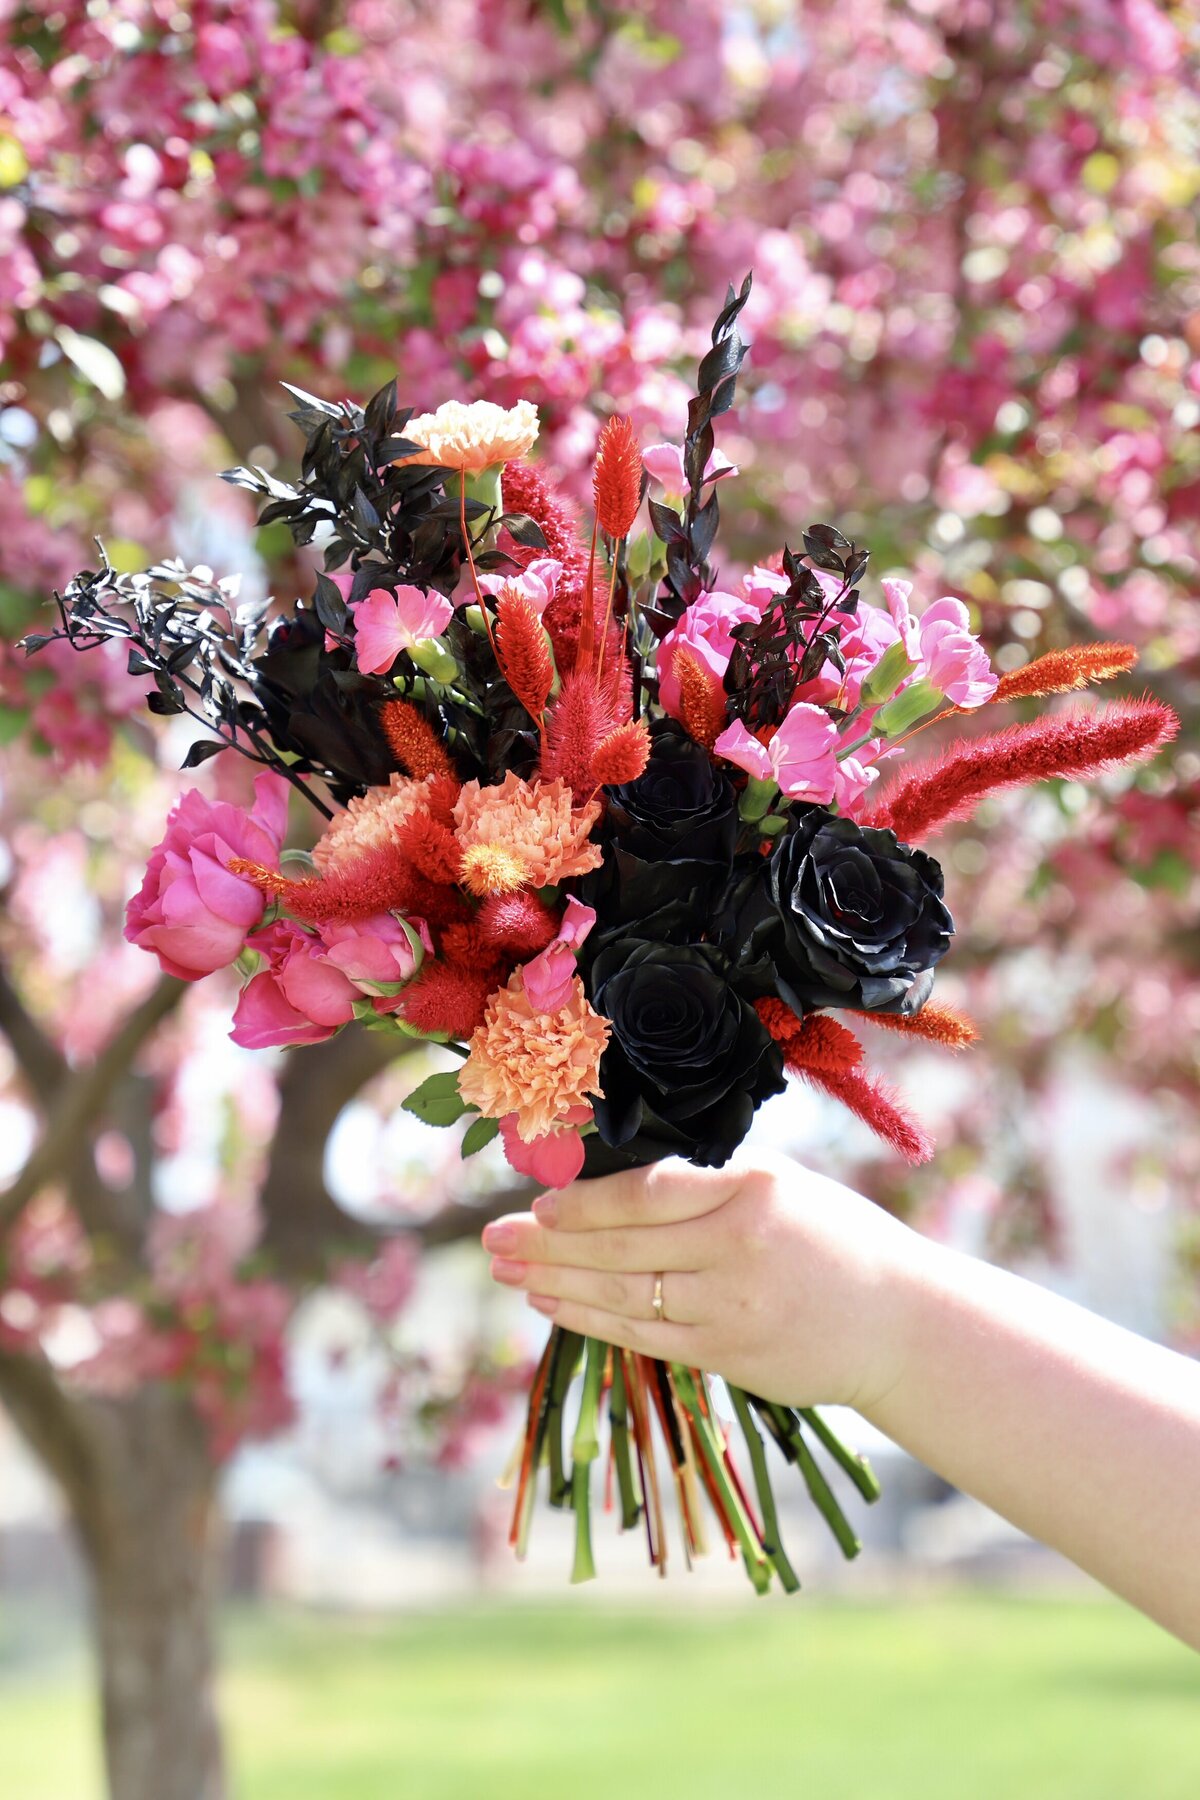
(536, 1065)
(491, 869)
(623, 755)
(523, 651)
(617, 478)
(1062, 671)
(702, 702)
(937, 1024)
(413, 741)
(533, 821)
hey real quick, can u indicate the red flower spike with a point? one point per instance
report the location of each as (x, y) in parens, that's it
(414, 743)
(1065, 671)
(1067, 744)
(527, 489)
(617, 478)
(877, 1105)
(822, 1044)
(702, 702)
(779, 1019)
(431, 848)
(440, 796)
(520, 924)
(579, 721)
(936, 1024)
(446, 997)
(523, 652)
(375, 881)
(622, 755)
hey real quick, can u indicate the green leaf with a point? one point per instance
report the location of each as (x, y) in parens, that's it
(478, 1133)
(437, 1101)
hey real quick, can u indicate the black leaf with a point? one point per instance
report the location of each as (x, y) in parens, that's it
(200, 752)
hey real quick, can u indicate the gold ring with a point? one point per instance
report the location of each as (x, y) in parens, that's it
(657, 1302)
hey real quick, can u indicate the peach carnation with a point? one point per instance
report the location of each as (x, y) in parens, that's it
(371, 820)
(535, 1065)
(535, 825)
(475, 436)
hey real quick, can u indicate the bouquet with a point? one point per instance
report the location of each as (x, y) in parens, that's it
(615, 834)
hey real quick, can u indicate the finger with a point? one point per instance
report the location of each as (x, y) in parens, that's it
(665, 1194)
(633, 1250)
(630, 1295)
(673, 1343)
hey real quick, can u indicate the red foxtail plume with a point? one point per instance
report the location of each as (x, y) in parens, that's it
(517, 924)
(1067, 744)
(1064, 671)
(702, 702)
(878, 1106)
(431, 848)
(813, 1042)
(617, 478)
(527, 489)
(413, 742)
(579, 721)
(622, 755)
(936, 1024)
(374, 881)
(446, 997)
(523, 651)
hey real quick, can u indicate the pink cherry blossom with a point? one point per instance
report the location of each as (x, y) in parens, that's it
(387, 623)
(548, 976)
(800, 758)
(191, 910)
(706, 628)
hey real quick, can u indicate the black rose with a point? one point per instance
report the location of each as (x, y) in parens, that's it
(688, 1061)
(668, 839)
(846, 915)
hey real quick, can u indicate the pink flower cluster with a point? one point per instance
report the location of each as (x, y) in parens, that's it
(314, 980)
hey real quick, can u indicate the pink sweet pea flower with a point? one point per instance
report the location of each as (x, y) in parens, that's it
(706, 627)
(300, 998)
(855, 775)
(386, 623)
(942, 646)
(552, 1160)
(537, 582)
(191, 911)
(800, 758)
(547, 978)
(664, 464)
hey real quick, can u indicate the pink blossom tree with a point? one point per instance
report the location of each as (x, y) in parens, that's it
(977, 282)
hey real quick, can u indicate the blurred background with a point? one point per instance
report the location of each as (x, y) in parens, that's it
(255, 1389)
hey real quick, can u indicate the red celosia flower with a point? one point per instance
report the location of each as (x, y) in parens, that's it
(937, 1024)
(813, 1042)
(1063, 671)
(617, 478)
(517, 924)
(523, 651)
(1069, 744)
(446, 997)
(623, 754)
(431, 848)
(877, 1105)
(702, 703)
(376, 881)
(413, 741)
(528, 489)
(584, 714)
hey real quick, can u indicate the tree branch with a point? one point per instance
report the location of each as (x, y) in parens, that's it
(84, 1096)
(53, 1425)
(39, 1060)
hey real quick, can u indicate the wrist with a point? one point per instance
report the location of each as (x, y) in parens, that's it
(901, 1295)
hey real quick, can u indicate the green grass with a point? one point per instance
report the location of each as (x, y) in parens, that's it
(963, 1698)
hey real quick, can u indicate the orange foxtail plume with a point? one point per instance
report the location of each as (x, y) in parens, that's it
(702, 702)
(622, 756)
(934, 1023)
(413, 741)
(1066, 671)
(582, 717)
(617, 478)
(1077, 744)
(523, 651)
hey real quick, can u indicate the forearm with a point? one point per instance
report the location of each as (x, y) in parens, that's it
(1080, 1433)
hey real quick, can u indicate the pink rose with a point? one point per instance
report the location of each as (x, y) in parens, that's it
(191, 910)
(380, 954)
(386, 623)
(801, 757)
(547, 978)
(299, 998)
(706, 627)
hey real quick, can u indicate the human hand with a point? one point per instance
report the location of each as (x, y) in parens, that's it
(784, 1281)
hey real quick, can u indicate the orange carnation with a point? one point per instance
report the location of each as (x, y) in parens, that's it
(536, 1065)
(372, 820)
(534, 823)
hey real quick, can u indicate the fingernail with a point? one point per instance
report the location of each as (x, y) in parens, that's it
(545, 1209)
(511, 1272)
(499, 1239)
(544, 1304)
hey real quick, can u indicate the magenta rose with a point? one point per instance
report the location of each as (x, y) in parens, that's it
(191, 910)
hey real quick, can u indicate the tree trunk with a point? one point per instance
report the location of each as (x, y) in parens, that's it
(150, 1536)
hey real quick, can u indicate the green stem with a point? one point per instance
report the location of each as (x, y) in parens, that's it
(856, 1467)
(618, 1416)
(562, 1374)
(758, 1566)
(772, 1539)
(585, 1447)
(823, 1499)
